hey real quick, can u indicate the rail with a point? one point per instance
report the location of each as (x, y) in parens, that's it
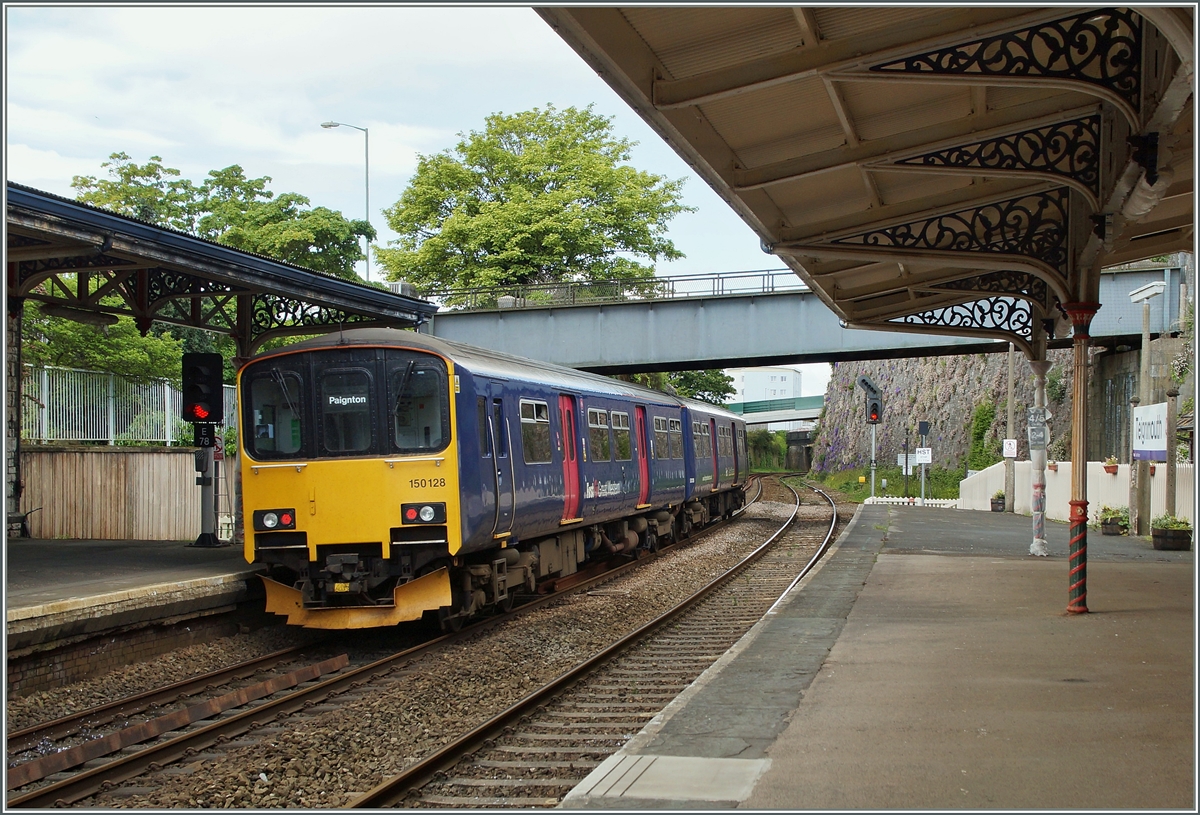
(537, 295)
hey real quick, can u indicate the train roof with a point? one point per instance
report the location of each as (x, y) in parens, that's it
(486, 362)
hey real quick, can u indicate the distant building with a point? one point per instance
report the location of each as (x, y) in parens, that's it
(766, 384)
(763, 384)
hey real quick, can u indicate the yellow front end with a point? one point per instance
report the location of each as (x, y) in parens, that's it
(364, 541)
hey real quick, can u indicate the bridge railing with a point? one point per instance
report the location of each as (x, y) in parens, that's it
(536, 295)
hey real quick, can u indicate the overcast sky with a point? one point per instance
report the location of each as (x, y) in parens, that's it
(208, 87)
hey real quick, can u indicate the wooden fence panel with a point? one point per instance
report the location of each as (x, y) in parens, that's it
(111, 493)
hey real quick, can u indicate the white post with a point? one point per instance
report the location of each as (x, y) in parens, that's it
(1010, 464)
(112, 418)
(1037, 459)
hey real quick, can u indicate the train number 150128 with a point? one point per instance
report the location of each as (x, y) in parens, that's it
(421, 483)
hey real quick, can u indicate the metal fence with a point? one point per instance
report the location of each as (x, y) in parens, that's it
(760, 281)
(71, 405)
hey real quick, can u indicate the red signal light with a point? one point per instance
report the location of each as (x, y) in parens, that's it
(410, 514)
(285, 519)
(200, 411)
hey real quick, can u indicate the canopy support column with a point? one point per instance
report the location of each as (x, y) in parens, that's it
(1081, 315)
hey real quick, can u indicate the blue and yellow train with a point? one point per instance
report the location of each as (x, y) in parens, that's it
(387, 475)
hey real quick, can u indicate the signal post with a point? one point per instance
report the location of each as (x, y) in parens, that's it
(874, 410)
(204, 407)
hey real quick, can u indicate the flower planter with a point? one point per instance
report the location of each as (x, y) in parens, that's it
(1111, 469)
(1052, 466)
(1172, 539)
(1112, 528)
(997, 505)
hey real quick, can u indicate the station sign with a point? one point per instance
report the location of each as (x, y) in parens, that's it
(1039, 437)
(1150, 432)
(1037, 416)
(924, 455)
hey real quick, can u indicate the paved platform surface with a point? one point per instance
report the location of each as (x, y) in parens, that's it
(929, 663)
(56, 589)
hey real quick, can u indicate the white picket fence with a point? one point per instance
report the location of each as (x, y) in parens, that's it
(943, 503)
(73, 405)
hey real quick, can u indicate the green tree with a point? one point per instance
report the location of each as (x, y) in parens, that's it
(119, 349)
(981, 455)
(229, 208)
(711, 385)
(541, 196)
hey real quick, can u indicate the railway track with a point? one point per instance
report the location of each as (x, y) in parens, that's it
(532, 754)
(70, 759)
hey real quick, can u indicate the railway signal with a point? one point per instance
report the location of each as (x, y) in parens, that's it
(874, 409)
(203, 388)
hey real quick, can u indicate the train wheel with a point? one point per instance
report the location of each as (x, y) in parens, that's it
(449, 624)
(506, 604)
(651, 541)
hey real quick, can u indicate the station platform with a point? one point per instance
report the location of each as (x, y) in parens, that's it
(929, 663)
(61, 589)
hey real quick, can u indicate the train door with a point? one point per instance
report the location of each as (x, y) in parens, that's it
(643, 457)
(715, 448)
(570, 447)
(498, 431)
(734, 449)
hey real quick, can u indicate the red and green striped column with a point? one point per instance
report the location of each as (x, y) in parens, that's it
(1081, 315)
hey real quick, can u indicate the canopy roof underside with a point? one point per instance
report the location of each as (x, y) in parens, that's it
(966, 170)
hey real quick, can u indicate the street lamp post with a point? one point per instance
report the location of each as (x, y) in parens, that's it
(367, 174)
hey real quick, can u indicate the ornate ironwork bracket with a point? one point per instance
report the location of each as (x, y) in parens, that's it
(1034, 226)
(1001, 317)
(1017, 284)
(1101, 48)
(1064, 150)
(273, 316)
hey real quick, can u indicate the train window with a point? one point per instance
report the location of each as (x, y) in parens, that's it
(501, 430)
(620, 429)
(705, 441)
(598, 445)
(676, 437)
(724, 449)
(420, 415)
(535, 432)
(485, 449)
(345, 408)
(275, 415)
(661, 447)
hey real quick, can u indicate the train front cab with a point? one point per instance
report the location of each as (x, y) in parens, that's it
(350, 482)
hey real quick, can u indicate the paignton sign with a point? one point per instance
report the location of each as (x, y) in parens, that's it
(1150, 432)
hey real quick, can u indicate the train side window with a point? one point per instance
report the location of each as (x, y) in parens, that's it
(697, 440)
(485, 449)
(662, 448)
(598, 445)
(535, 432)
(275, 415)
(704, 433)
(420, 407)
(501, 430)
(676, 436)
(620, 429)
(346, 407)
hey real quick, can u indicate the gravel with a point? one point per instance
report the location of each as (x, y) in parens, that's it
(313, 760)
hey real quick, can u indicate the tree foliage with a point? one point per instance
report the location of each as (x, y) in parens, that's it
(229, 208)
(226, 207)
(541, 196)
(712, 385)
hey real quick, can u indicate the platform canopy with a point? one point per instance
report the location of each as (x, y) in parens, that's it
(957, 169)
(92, 265)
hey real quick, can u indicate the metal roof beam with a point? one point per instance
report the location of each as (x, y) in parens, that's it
(841, 54)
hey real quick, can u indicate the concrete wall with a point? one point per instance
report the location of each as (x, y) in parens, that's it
(1102, 489)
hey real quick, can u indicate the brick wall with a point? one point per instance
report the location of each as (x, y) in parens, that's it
(93, 656)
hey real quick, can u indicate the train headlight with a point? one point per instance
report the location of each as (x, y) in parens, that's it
(271, 520)
(434, 513)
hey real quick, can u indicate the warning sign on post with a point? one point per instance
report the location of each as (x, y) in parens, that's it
(1010, 448)
(218, 447)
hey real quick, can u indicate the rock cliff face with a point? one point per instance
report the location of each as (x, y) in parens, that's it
(943, 391)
